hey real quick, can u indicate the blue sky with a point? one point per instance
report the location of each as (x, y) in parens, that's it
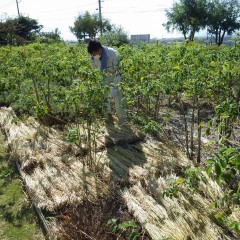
(136, 17)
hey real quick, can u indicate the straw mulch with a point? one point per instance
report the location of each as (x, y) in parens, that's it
(131, 166)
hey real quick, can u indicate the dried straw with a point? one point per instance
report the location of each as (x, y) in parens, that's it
(56, 176)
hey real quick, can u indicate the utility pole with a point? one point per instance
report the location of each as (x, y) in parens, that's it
(100, 16)
(17, 1)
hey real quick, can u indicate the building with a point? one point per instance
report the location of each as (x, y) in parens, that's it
(140, 38)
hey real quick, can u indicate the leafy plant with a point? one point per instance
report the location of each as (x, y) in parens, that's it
(224, 164)
(173, 187)
(192, 179)
(235, 226)
(126, 229)
(73, 135)
(225, 115)
(227, 223)
(152, 127)
(56, 84)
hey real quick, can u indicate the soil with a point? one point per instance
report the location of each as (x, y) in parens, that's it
(174, 131)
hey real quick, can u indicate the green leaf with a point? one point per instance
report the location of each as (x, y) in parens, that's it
(210, 161)
(219, 218)
(218, 179)
(111, 222)
(218, 169)
(223, 163)
(238, 190)
(209, 124)
(180, 180)
(133, 235)
(115, 229)
(127, 224)
(207, 132)
(208, 170)
(230, 150)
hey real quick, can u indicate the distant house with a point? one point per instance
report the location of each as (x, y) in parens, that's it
(140, 38)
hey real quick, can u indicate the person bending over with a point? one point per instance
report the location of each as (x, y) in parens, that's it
(105, 59)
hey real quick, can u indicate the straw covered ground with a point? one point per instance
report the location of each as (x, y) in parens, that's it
(127, 182)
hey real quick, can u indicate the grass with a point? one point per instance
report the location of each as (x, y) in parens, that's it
(17, 218)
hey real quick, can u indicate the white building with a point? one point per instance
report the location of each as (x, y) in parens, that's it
(140, 38)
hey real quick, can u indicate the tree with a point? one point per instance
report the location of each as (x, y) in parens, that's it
(88, 26)
(50, 37)
(116, 37)
(188, 17)
(16, 31)
(177, 20)
(223, 18)
(7, 32)
(25, 27)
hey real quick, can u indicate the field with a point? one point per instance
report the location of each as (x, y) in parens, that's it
(170, 172)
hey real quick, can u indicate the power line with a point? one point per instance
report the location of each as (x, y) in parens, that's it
(137, 11)
(60, 9)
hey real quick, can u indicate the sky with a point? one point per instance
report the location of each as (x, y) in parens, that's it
(134, 16)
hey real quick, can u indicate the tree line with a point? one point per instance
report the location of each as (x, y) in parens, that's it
(23, 30)
(218, 17)
(89, 26)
